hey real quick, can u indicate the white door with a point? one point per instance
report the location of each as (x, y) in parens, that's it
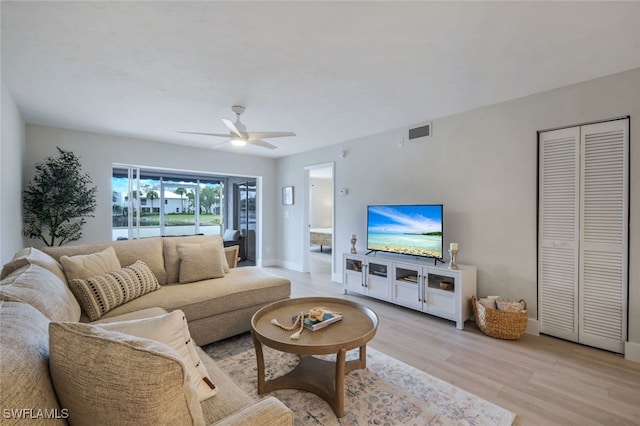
(603, 234)
(583, 234)
(558, 233)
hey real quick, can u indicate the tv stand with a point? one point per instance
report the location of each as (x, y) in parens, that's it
(413, 283)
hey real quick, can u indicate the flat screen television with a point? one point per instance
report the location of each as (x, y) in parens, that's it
(414, 229)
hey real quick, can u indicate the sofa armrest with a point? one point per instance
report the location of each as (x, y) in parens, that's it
(266, 412)
(231, 253)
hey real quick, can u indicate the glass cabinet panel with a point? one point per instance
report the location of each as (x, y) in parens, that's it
(441, 282)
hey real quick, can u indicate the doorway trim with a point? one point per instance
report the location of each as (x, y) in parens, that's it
(307, 215)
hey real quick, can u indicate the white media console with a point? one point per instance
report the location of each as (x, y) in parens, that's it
(415, 283)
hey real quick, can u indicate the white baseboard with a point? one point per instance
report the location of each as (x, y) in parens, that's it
(533, 327)
(632, 351)
(336, 278)
(267, 262)
(287, 265)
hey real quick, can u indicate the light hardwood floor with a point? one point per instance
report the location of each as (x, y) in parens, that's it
(546, 381)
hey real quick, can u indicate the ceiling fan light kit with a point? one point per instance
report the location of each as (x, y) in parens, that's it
(238, 135)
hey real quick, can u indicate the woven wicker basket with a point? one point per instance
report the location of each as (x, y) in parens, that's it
(499, 324)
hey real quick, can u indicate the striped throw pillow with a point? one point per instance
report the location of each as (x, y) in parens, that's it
(100, 294)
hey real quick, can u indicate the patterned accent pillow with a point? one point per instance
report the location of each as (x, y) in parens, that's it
(100, 294)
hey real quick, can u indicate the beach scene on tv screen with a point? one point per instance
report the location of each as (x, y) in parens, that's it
(412, 229)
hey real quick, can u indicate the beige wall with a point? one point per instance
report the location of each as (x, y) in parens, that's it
(11, 163)
(321, 204)
(482, 165)
(99, 152)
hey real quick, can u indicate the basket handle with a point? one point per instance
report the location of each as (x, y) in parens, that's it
(524, 304)
(474, 306)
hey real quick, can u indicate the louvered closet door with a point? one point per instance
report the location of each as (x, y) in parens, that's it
(558, 233)
(604, 235)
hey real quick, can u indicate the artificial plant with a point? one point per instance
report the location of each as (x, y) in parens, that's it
(58, 199)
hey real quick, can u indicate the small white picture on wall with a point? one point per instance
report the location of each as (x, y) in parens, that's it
(287, 195)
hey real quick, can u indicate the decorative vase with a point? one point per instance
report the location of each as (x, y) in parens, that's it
(452, 259)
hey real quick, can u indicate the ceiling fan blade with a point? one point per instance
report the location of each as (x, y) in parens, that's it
(232, 127)
(263, 135)
(260, 142)
(222, 135)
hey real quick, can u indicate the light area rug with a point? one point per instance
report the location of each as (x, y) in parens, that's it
(387, 392)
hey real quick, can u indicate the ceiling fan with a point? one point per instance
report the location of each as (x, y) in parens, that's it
(239, 136)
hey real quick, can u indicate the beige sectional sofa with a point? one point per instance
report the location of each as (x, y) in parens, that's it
(35, 295)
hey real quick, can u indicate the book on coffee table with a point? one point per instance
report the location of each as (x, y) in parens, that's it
(317, 325)
(313, 325)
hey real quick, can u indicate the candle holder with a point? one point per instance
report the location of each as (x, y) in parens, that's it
(452, 259)
(353, 245)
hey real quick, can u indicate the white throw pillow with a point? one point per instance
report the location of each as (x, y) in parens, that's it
(172, 330)
(509, 305)
(231, 235)
(487, 302)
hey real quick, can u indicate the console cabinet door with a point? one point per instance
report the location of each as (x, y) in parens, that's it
(406, 285)
(440, 293)
(378, 280)
(354, 274)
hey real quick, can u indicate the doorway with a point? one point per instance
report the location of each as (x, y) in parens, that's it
(319, 213)
(244, 219)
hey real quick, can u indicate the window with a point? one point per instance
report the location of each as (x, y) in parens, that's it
(193, 203)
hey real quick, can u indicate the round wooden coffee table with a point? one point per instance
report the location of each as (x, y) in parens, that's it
(322, 377)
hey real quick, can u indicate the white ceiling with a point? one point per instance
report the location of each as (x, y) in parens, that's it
(330, 71)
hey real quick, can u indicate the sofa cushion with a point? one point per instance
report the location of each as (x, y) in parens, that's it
(240, 288)
(100, 294)
(171, 329)
(172, 257)
(200, 261)
(33, 256)
(149, 250)
(105, 377)
(231, 397)
(135, 315)
(24, 371)
(43, 290)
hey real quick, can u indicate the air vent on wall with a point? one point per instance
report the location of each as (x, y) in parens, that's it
(420, 132)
